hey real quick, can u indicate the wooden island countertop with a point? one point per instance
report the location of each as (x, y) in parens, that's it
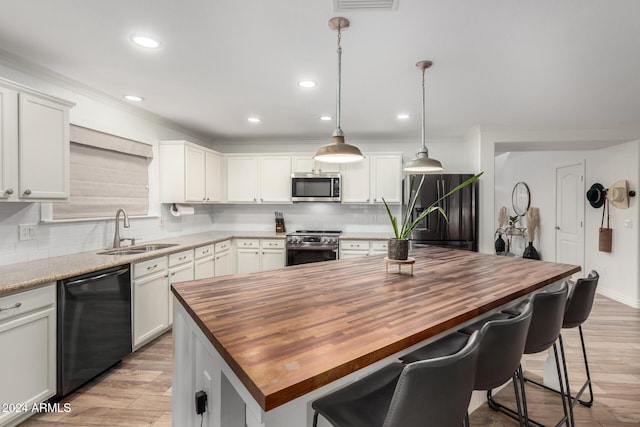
(287, 332)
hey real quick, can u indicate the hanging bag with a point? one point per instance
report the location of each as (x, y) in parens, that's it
(605, 233)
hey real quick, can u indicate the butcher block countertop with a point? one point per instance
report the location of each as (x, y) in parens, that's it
(288, 332)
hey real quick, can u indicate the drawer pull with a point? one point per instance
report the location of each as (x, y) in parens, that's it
(182, 258)
(152, 267)
(16, 305)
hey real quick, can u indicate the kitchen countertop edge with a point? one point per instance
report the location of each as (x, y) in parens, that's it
(23, 276)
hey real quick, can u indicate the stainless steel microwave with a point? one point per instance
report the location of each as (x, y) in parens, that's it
(309, 187)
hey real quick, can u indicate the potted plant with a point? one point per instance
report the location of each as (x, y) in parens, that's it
(398, 247)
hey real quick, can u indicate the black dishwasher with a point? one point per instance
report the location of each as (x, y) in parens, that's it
(93, 325)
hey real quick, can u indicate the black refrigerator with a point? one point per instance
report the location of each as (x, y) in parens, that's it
(461, 208)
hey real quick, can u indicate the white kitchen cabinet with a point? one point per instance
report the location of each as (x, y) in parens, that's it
(34, 145)
(150, 299)
(247, 255)
(386, 178)
(360, 248)
(189, 173)
(258, 179)
(259, 254)
(204, 264)
(379, 247)
(306, 164)
(242, 179)
(354, 248)
(272, 254)
(28, 355)
(224, 261)
(355, 182)
(180, 270)
(375, 177)
(275, 179)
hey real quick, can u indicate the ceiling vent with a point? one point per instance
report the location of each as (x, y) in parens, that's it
(347, 5)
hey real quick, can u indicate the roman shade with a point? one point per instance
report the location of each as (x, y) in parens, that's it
(107, 172)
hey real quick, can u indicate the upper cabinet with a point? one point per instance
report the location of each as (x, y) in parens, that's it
(376, 177)
(189, 173)
(34, 145)
(305, 163)
(258, 179)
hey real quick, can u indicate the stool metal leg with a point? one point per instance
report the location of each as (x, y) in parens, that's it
(574, 399)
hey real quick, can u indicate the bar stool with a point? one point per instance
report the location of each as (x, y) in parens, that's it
(502, 343)
(544, 331)
(435, 391)
(578, 309)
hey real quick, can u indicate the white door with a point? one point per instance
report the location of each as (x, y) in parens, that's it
(242, 179)
(223, 264)
(570, 214)
(213, 167)
(204, 268)
(386, 178)
(355, 182)
(181, 273)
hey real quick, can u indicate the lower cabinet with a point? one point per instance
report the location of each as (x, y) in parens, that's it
(272, 253)
(150, 299)
(204, 262)
(224, 264)
(180, 270)
(360, 248)
(259, 254)
(27, 351)
(247, 255)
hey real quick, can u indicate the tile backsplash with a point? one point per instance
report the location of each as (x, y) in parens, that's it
(63, 238)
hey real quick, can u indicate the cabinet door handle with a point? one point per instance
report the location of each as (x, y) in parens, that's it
(173, 273)
(8, 191)
(16, 305)
(27, 192)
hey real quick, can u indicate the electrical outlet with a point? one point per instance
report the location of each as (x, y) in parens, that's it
(628, 223)
(27, 231)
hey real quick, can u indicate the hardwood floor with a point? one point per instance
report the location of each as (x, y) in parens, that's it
(138, 392)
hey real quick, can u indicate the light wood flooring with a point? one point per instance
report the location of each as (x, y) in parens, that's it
(138, 392)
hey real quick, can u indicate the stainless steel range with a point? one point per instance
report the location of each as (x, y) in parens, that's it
(305, 246)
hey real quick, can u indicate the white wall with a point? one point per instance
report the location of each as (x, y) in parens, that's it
(108, 115)
(619, 269)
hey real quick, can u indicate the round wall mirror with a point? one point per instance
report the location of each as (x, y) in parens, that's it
(521, 198)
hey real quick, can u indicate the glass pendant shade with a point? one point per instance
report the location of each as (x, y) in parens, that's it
(338, 151)
(422, 163)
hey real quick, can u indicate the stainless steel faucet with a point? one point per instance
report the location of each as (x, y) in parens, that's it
(116, 237)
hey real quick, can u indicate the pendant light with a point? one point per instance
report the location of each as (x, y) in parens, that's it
(338, 151)
(422, 163)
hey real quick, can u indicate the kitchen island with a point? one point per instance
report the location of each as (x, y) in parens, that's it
(265, 345)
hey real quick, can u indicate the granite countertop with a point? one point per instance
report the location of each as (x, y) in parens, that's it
(26, 275)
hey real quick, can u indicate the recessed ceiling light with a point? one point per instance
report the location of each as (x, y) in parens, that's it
(145, 41)
(403, 116)
(133, 98)
(307, 83)
(254, 119)
(326, 118)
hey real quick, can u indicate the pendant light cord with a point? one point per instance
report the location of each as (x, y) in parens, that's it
(339, 89)
(424, 135)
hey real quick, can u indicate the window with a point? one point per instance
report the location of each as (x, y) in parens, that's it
(107, 172)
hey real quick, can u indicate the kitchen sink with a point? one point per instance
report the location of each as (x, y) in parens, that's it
(132, 250)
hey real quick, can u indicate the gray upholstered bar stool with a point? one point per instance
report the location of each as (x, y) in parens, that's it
(502, 343)
(431, 392)
(579, 305)
(544, 331)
